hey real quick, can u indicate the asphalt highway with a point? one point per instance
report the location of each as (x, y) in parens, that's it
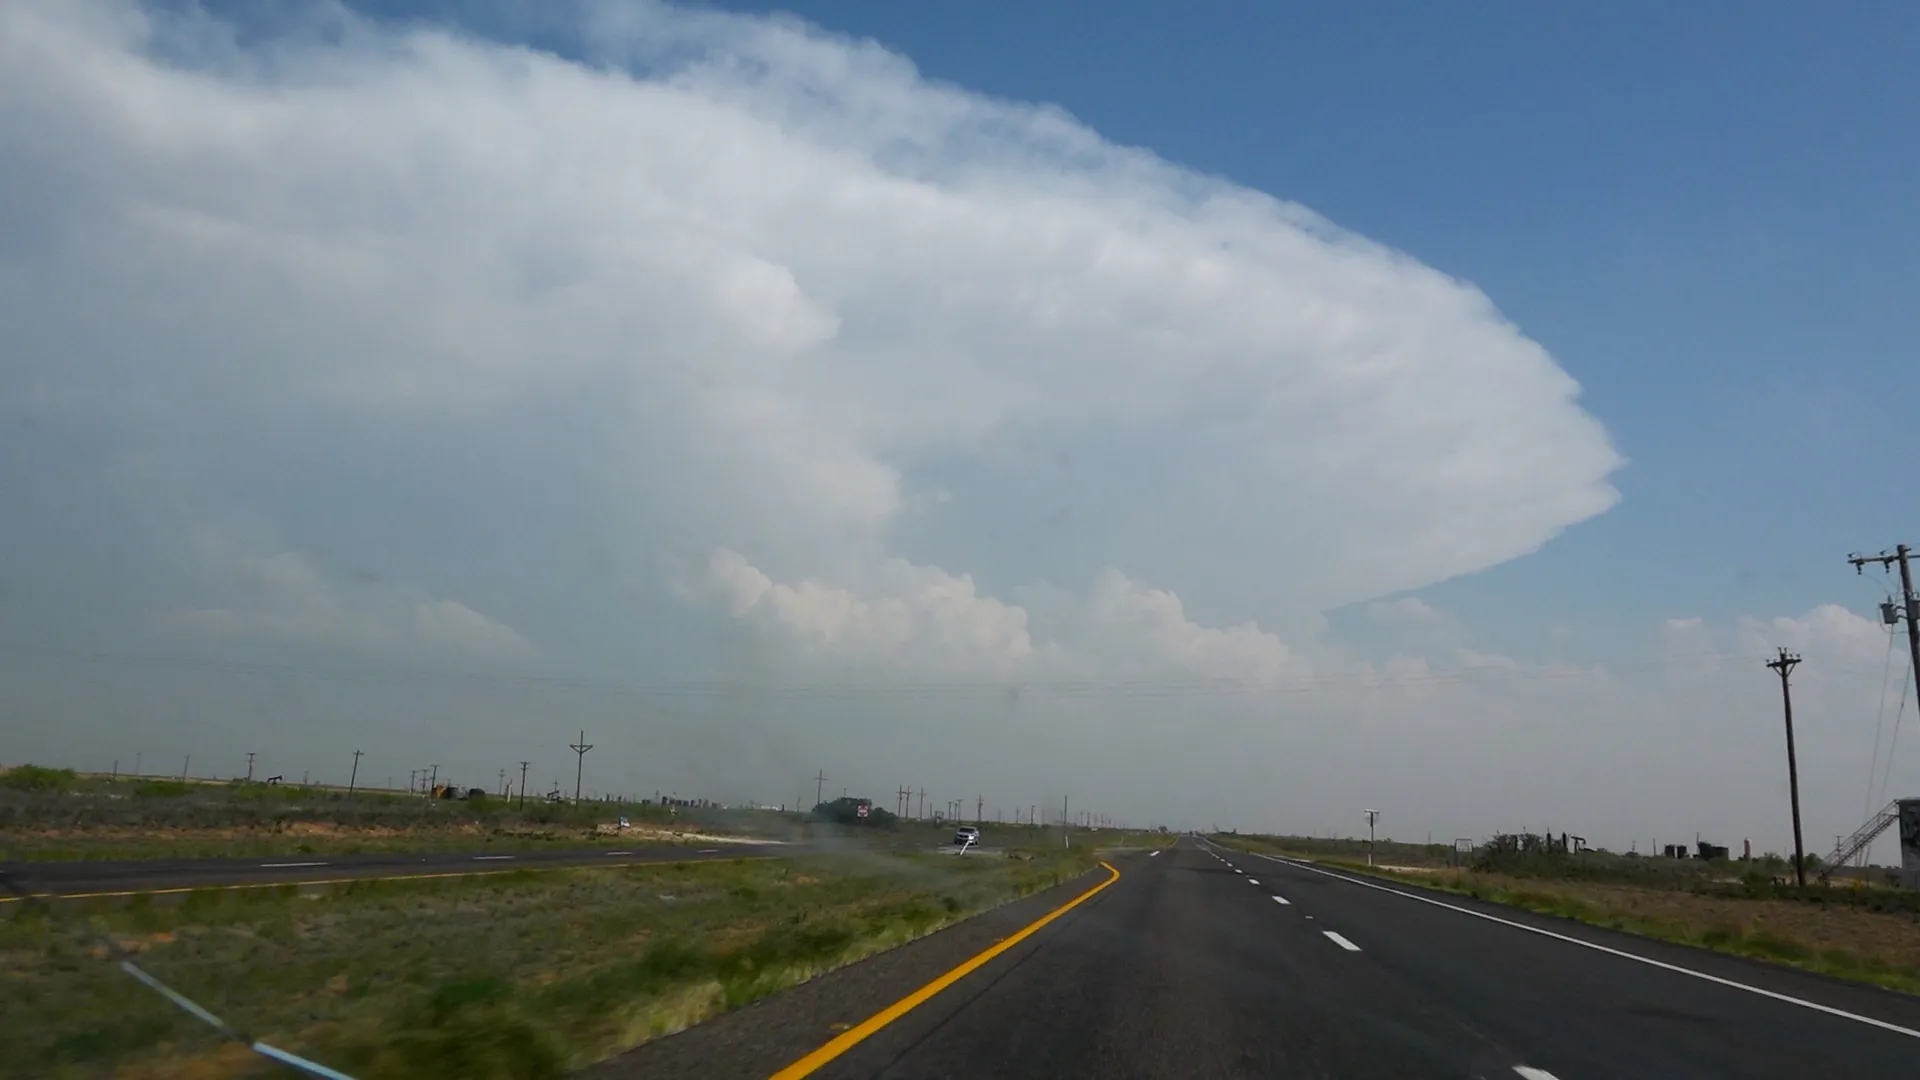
(1202, 962)
(83, 878)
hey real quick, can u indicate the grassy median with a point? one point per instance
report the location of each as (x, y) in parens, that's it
(527, 974)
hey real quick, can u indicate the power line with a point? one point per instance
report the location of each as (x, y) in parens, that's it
(1891, 613)
(1139, 687)
(1879, 725)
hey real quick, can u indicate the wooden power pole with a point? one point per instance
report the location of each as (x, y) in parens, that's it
(1908, 608)
(1784, 664)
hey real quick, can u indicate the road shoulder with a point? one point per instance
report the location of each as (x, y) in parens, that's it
(766, 1036)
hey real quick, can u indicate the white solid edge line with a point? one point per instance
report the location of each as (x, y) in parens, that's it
(1662, 964)
(286, 865)
(1280, 900)
(1340, 941)
(1531, 1073)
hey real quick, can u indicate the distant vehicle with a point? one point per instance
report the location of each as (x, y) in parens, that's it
(965, 835)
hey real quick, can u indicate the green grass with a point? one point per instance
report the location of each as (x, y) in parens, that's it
(37, 779)
(51, 815)
(521, 975)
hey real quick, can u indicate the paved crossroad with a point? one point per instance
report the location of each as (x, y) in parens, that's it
(165, 875)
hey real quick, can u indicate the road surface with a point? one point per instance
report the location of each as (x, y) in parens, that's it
(84, 878)
(1201, 962)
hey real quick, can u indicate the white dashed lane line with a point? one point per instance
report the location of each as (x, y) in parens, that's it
(1531, 1073)
(619, 852)
(1252, 881)
(1237, 870)
(1151, 856)
(488, 858)
(1912, 1033)
(1281, 900)
(287, 865)
(1340, 941)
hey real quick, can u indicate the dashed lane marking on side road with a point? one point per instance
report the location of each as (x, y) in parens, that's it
(1621, 953)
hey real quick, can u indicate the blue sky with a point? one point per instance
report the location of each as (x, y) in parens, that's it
(1704, 211)
(772, 363)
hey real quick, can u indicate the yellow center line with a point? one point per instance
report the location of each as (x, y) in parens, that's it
(366, 877)
(852, 1037)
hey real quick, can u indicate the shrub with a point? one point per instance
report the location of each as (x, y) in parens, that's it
(36, 778)
(161, 789)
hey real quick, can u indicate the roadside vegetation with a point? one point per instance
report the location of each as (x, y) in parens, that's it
(518, 975)
(55, 814)
(1851, 929)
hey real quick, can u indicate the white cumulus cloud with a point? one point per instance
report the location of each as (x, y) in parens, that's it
(924, 383)
(779, 281)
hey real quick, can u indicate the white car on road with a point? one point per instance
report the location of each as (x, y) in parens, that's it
(966, 836)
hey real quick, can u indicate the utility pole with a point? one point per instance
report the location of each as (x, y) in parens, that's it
(819, 786)
(434, 780)
(979, 809)
(184, 766)
(354, 775)
(1784, 665)
(503, 782)
(923, 804)
(579, 763)
(523, 785)
(249, 766)
(1372, 816)
(1910, 606)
